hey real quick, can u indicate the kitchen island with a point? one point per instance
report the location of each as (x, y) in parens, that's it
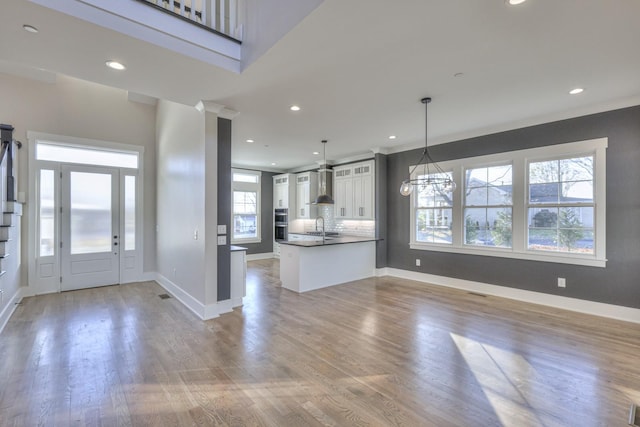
(309, 265)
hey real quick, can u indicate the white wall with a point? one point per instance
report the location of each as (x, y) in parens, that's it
(181, 198)
(77, 108)
(265, 23)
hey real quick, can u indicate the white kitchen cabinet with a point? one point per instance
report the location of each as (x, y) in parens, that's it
(354, 191)
(284, 189)
(306, 194)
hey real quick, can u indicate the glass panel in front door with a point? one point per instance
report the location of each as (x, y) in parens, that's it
(90, 214)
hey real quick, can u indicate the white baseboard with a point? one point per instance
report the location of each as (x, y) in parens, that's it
(204, 312)
(572, 304)
(255, 257)
(11, 306)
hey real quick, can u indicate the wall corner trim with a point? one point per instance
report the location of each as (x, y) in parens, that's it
(611, 311)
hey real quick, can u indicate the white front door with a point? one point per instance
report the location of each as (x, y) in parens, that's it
(90, 224)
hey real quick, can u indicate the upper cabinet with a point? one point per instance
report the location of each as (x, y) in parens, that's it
(353, 188)
(306, 194)
(284, 191)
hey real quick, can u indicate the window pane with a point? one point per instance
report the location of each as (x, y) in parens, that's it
(90, 212)
(69, 154)
(488, 227)
(577, 192)
(245, 177)
(488, 186)
(245, 226)
(245, 202)
(540, 172)
(430, 195)
(47, 213)
(434, 225)
(544, 193)
(129, 213)
(576, 169)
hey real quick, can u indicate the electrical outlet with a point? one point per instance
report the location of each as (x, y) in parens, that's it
(562, 282)
(195, 234)
(417, 262)
(174, 272)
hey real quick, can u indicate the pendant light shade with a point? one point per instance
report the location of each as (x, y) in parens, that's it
(324, 198)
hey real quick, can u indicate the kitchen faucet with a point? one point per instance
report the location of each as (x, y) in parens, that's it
(322, 218)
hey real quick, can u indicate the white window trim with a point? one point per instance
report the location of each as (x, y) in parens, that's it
(247, 186)
(520, 160)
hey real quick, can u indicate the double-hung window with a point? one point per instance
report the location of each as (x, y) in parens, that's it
(488, 206)
(543, 204)
(246, 206)
(561, 205)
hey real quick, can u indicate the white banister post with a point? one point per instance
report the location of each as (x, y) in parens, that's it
(214, 9)
(181, 12)
(223, 10)
(205, 13)
(233, 17)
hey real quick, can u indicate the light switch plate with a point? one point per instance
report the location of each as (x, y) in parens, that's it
(222, 240)
(222, 229)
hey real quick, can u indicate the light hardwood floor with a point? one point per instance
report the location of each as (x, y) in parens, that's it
(375, 352)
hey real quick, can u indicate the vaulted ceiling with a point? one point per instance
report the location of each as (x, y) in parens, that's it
(358, 69)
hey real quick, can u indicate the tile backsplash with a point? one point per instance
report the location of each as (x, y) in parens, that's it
(346, 227)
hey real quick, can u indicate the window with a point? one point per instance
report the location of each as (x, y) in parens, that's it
(433, 212)
(47, 213)
(488, 206)
(56, 152)
(246, 207)
(561, 205)
(544, 204)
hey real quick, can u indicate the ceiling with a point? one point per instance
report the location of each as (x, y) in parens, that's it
(359, 68)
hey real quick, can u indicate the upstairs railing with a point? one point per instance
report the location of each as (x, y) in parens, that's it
(220, 16)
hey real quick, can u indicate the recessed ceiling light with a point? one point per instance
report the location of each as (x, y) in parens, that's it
(515, 2)
(273, 164)
(30, 28)
(250, 141)
(315, 153)
(576, 91)
(392, 137)
(116, 65)
(294, 108)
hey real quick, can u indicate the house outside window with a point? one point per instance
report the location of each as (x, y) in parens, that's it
(543, 204)
(246, 206)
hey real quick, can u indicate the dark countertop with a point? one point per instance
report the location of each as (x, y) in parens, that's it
(329, 241)
(237, 248)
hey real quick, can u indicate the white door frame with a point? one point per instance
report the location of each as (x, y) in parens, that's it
(131, 269)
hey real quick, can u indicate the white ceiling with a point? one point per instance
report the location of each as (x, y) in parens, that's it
(358, 69)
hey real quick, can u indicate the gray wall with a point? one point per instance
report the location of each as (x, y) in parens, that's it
(266, 218)
(618, 283)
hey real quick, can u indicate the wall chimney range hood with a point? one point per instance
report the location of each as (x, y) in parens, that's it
(324, 198)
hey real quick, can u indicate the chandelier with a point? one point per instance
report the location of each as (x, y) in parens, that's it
(433, 179)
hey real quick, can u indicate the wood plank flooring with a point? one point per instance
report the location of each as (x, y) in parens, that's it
(376, 352)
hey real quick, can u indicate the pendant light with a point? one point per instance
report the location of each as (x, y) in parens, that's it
(435, 180)
(324, 198)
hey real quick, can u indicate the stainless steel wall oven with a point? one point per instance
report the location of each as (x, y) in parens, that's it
(281, 224)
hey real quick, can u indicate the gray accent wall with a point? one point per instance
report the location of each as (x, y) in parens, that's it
(266, 217)
(618, 283)
(224, 207)
(381, 191)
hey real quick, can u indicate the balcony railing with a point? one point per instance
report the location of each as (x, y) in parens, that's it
(220, 16)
